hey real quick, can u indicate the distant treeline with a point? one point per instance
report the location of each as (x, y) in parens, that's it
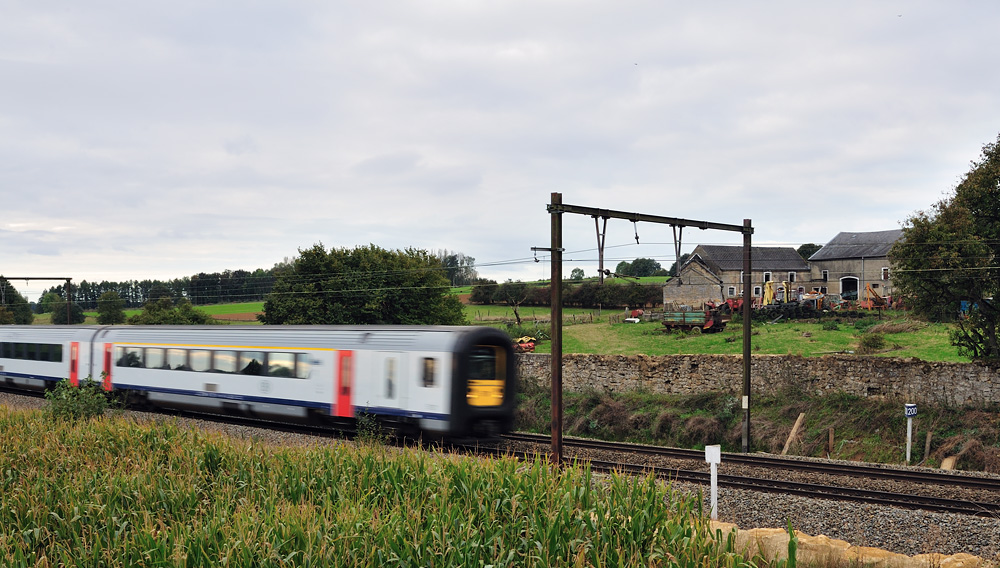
(224, 287)
(202, 288)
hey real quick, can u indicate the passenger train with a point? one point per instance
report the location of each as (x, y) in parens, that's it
(447, 381)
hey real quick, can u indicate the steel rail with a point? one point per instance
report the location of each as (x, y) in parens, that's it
(772, 462)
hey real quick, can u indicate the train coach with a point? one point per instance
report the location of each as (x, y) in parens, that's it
(449, 381)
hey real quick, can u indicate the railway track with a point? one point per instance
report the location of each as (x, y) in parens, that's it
(905, 498)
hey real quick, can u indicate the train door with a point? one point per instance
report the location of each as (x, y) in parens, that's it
(108, 365)
(74, 363)
(390, 373)
(343, 384)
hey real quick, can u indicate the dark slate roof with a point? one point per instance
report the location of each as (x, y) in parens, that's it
(858, 245)
(762, 258)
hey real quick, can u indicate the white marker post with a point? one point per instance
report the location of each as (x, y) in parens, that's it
(909, 410)
(713, 455)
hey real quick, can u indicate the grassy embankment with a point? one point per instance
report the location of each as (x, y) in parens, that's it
(120, 493)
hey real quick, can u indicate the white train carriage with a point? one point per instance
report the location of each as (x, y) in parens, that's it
(455, 381)
(34, 357)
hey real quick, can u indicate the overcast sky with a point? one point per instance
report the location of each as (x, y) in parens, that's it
(162, 139)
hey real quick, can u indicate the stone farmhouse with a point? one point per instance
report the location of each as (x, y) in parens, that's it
(715, 273)
(851, 261)
(845, 265)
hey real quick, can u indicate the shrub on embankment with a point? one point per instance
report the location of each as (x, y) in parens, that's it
(112, 492)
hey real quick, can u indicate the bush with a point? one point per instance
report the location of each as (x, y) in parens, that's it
(74, 403)
(830, 326)
(871, 342)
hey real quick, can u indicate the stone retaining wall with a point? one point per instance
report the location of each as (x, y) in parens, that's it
(911, 379)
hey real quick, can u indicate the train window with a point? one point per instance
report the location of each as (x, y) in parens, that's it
(31, 351)
(44, 352)
(251, 363)
(224, 361)
(6, 350)
(281, 365)
(302, 365)
(390, 378)
(483, 364)
(429, 371)
(20, 350)
(177, 359)
(57, 353)
(129, 357)
(154, 358)
(200, 360)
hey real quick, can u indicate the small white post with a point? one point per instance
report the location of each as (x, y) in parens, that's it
(713, 455)
(909, 410)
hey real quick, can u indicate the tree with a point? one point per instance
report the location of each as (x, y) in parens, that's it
(807, 250)
(45, 304)
(644, 267)
(948, 258)
(576, 274)
(624, 268)
(365, 285)
(156, 292)
(483, 291)
(513, 294)
(15, 304)
(76, 315)
(459, 268)
(165, 312)
(638, 268)
(110, 308)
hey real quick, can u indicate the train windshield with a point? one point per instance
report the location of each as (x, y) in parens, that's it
(485, 376)
(483, 364)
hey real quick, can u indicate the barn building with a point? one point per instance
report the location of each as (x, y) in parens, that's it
(851, 261)
(715, 273)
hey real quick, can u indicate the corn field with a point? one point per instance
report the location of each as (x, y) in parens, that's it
(112, 492)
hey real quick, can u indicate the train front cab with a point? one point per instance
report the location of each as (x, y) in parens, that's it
(484, 385)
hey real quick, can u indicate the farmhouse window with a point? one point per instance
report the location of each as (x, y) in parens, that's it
(885, 273)
(767, 277)
(791, 277)
(826, 276)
